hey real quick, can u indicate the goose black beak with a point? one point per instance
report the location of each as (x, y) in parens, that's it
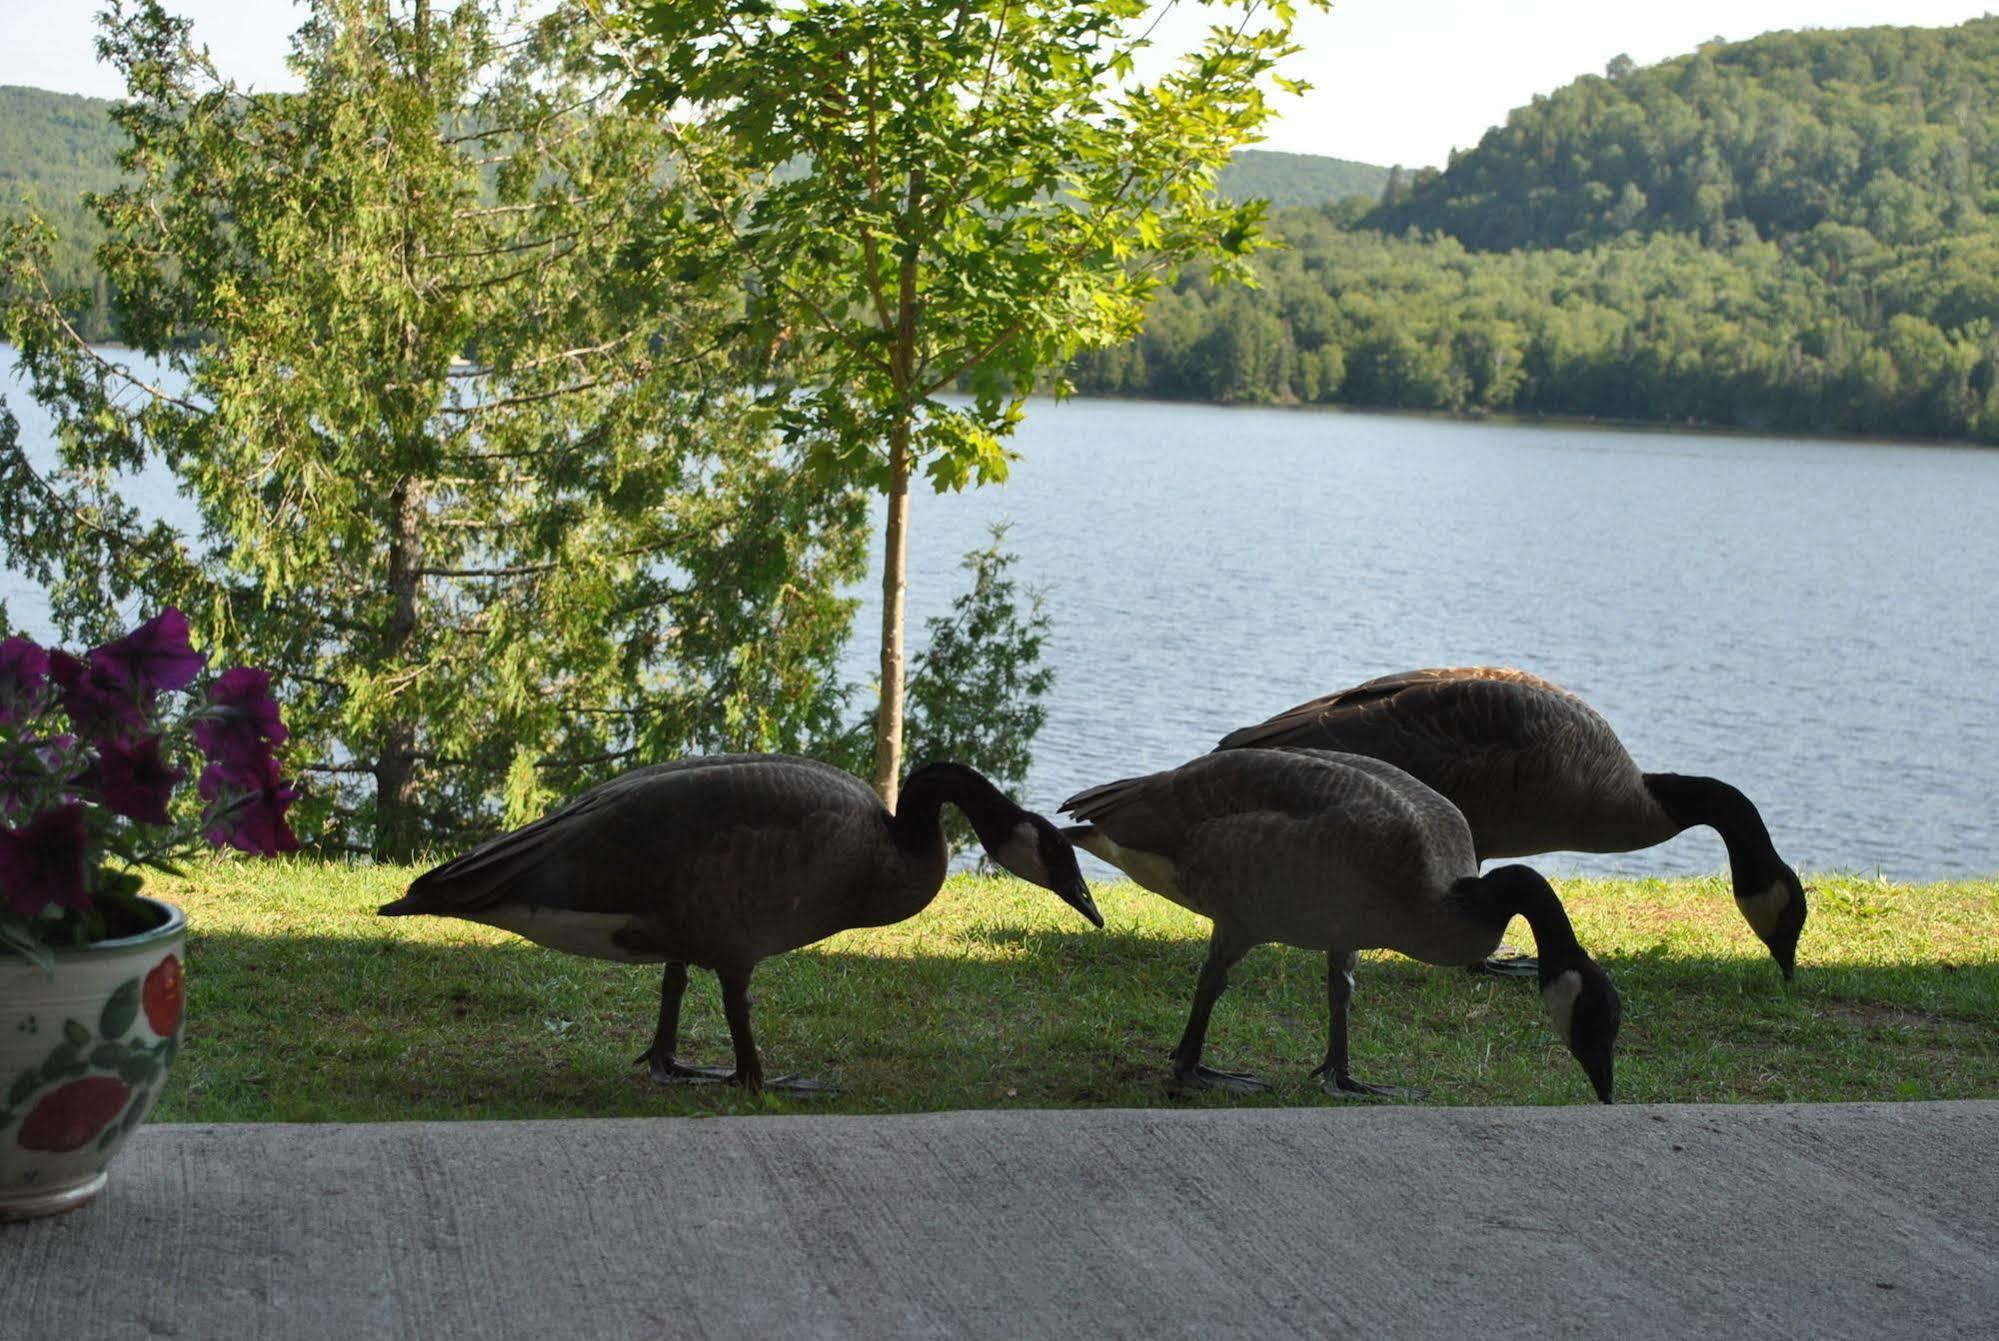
(1077, 896)
(1598, 1070)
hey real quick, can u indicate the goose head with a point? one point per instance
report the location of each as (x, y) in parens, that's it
(1586, 1011)
(1035, 850)
(1775, 911)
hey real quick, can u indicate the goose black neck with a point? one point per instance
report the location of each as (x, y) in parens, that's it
(1692, 801)
(920, 808)
(1509, 891)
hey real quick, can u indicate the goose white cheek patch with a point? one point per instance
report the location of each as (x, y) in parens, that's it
(1021, 854)
(1763, 910)
(1559, 997)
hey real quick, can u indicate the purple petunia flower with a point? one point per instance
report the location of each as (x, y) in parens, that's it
(99, 703)
(155, 657)
(24, 672)
(134, 780)
(241, 723)
(44, 862)
(254, 819)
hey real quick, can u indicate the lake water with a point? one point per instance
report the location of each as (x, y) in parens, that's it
(1808, 620)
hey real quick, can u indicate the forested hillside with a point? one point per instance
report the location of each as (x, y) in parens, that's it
(1299, 179)
(1795, 232)
(1894, 131)
(54, 147)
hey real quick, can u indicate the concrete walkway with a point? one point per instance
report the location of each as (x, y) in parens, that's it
(1861, 1221)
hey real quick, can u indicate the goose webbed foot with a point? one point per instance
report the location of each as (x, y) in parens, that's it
(668, 1071)
(1343, 1086)
(1512, 964)
(1198, 1077)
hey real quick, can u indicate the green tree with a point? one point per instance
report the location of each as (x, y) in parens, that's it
(933, 192)
(472, 472)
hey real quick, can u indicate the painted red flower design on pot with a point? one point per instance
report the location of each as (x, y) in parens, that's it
(70, 1117)
(163, 996)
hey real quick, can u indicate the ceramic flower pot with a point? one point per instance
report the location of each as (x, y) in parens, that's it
(83, 1056)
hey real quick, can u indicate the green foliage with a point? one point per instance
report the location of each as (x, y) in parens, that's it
(976, 688)
(931, 191)
(1661, 329)
(1795, 302)
(474, 475)
(1890, 130)
(1298, 179)
(54, 149)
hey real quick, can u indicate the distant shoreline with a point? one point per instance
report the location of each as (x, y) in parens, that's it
(1508, 419)
(1560, 421)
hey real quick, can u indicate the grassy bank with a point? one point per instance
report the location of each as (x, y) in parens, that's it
(303, 1006)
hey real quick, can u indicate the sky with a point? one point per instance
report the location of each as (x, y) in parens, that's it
(1395, 81)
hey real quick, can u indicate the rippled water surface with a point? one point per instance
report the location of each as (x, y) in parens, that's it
(1811, 621)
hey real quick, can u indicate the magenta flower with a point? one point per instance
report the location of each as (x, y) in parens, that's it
(44, 862)
(24, 670)
(240, 724)
(134, 780)
(253, 818)
(155, 657)
(99, 703)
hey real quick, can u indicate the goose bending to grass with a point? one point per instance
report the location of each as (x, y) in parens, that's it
(724, 861)
(1340, 853)
(1536, 769)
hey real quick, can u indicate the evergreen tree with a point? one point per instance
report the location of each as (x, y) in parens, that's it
(458, 415)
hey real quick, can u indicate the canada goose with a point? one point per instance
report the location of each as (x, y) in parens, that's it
(1339, 853)
(1536, 769)
(726, 860)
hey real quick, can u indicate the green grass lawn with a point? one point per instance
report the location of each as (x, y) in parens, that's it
(303, 1005)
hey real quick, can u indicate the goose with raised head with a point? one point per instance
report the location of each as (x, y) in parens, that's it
(723, 861)
(1340, 853)
(1536, 769)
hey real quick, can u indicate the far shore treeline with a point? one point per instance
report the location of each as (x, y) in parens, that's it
(1797, 232)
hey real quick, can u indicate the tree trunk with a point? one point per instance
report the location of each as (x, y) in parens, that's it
(396, 830)
(895, 563)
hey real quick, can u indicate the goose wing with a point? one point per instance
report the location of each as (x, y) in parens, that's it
(1324, 803)
(617, 843)
(1532, 766)
(1310, 847)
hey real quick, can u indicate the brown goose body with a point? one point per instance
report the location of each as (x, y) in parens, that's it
(723, 861)
(1535, 769)
(1335, 852)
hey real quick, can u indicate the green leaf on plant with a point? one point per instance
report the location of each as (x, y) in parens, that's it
(14, 934)
(120, 1010)
(109, 1056)
(138, 1069)
(62, 1062)
(78, 1036)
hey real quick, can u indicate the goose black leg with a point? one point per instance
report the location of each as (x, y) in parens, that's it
(1224, 950)
(1333, 1072)
(749, 1071)
(659, 1057)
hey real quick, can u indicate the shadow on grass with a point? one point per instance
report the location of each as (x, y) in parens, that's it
(381, 1027)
